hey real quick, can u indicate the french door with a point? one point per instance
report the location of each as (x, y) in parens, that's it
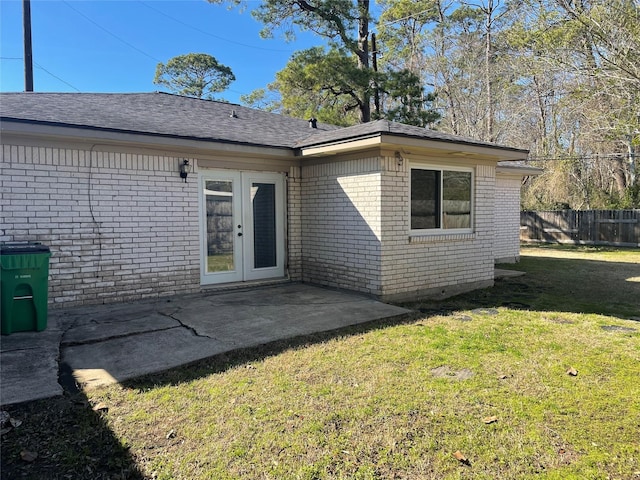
(242, 224)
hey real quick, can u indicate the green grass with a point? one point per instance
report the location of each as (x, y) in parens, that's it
(222, 262)
(398, 400)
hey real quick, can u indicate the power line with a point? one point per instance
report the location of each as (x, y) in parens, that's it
(591, 156)
(45, 70)
(110, 33)
(56, 77)
(204, 32)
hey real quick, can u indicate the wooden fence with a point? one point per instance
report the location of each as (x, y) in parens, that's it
(588, 227)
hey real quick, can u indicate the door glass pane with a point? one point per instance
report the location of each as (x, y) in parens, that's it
(425, 199)
(456, 199)
(219, 205)
(263, 201)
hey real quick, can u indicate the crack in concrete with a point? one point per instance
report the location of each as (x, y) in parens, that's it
(65, 378)
(114, 337)
(188, 327)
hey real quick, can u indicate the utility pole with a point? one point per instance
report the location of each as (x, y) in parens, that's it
(28, 52)
(376, 92)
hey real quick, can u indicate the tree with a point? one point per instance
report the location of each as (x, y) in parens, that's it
(345, 23)
(194, 75)
(337, 82)
(322, 84)
(405, 101)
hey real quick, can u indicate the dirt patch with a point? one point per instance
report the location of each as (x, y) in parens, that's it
(617, 328)
(485, 311)
(445, 371)
(562, 321)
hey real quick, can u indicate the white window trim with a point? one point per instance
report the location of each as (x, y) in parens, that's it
(443, 232)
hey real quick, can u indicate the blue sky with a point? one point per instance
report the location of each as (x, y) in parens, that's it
(115, 45)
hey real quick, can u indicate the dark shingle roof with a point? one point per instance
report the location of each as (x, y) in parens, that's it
(158, 114)
(379, 127)
(168, 115)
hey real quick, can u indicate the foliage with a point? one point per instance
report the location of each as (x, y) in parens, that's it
(406, 102)
(194, 75)
(558, 77)
(321, 84)
(554, 76)
(337, 84)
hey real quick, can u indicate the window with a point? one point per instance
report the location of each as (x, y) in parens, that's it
(441, 199)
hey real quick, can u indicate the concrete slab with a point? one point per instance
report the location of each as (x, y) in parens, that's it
(271, 314)
(120, 359)
(103, 344)
(29, 366)
(96, 332)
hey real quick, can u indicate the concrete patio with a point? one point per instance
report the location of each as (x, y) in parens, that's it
(104, 344)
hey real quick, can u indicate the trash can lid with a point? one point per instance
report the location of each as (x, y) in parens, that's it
(18, 248)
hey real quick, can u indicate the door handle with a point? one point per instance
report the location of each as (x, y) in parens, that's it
(239, 234)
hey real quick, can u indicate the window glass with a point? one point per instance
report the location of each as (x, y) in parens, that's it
(440, 199)
(425, 199)
(263, 198)
(456, 199)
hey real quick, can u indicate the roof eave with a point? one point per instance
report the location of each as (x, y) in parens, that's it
(114, 136)
(518, 170)
(391, 140)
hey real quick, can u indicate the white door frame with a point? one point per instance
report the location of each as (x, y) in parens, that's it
(243, 191)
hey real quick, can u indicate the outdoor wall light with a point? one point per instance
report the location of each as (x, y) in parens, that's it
(185, 168)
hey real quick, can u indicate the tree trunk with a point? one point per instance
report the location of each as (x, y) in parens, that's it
(363, 57)
(488, 64)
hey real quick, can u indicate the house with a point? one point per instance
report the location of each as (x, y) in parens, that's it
(509, 177)
(151, 194)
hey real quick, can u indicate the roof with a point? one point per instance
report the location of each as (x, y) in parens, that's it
(518, 168)
(168, 115)
(380, 127)
(159, 114)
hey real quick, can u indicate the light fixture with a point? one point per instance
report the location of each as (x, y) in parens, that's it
(399, 159)
(185, 168)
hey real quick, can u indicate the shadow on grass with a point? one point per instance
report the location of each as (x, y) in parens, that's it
(556, 284)
(63, 438)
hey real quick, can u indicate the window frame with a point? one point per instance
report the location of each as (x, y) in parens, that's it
(441, 169)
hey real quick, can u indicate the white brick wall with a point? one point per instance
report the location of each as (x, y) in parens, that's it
(123, 226)
(294, 227)
(341, 225)
(120, 226)
(435, 265)
(506, 244)
(356, 234)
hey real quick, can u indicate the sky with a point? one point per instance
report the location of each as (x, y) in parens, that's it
(114, 46)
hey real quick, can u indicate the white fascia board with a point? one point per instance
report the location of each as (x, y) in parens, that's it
(340, 147)
(450, 148)
(106, 137)
(391, 141)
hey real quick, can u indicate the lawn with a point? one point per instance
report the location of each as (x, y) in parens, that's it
(537, 377)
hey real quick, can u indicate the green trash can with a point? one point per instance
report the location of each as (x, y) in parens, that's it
(24, 284)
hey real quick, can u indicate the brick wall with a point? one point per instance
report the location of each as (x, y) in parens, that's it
(294, 227)
(355, 221)
(506, 245)
(435, 265)
(120, 226)
(341, 226)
